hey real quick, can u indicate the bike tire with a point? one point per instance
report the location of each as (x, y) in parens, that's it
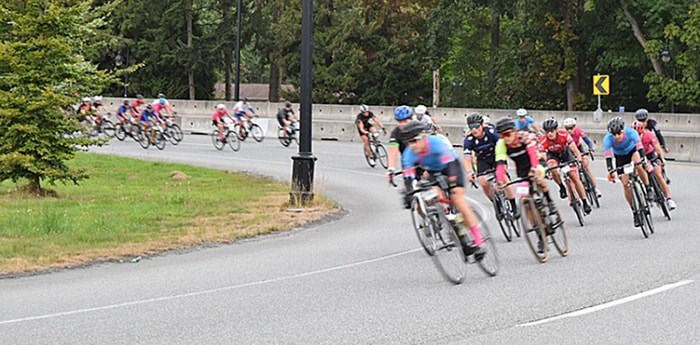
(490, 263)
(159, 140)
(257, 133)
(559, 234)
(233, 141)
(174, 134)
(368, 158)
(533, 233)
(142, 138)
(509, 217)
(639, 202)
(108, 127)
(506, 230)
(424, 234)
(660, 196)
(591, 193)
(283, 137)
(120, 133)
(218, 144)
(449, 256)
(237, 129)
(382, 155)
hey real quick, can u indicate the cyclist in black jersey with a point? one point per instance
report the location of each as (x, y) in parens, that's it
(364, 125)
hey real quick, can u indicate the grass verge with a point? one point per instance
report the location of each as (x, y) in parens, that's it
(130, 207)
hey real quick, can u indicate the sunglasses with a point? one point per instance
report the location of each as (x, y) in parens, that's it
(474, 126)
(569, 128)
(506, 134)
(413, 140)
(616, 133)
(551, 130)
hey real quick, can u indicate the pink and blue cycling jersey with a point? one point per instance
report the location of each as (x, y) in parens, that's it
(434, 158)
(630, 141)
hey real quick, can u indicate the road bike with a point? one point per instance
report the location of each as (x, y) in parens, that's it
(153, 136)
(378, 151)
(574, 199)
(658, 196)
(230, 138)
(640, 205)
(587, 180)
(505, 214)
(540, 223)
(172, 132)
(436, 223)
(286, 137)
(246, 128)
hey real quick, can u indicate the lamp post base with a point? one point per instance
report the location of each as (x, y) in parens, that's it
(302, 179)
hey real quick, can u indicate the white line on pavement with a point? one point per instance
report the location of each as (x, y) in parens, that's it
(610, 304)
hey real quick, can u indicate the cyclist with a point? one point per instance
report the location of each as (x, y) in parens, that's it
(161, 108)
(123, 112)
(403, 115)
(99, 110)
(428, 120)
(365, 128)
(243, 109)
(560, 148)
(482, 141)
(146, 118)
(642, 115)
(286, 117)
(526, 123)
(136, 105)
(654, 154)
(435, 156)
(521, 147)
(625, 145)
(577, 135)
(217, 119)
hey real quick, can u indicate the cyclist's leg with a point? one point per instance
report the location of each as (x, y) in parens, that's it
(455, 176)
(365, 144)
(552, 163)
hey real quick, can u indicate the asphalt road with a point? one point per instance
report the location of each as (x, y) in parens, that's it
(363, 279)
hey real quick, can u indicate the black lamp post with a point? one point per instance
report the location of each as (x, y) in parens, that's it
(237, 87)
(120, 61)
(304, 161)
(666, 58)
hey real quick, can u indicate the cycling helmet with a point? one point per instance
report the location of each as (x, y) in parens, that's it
(550, 124)
(641, 114)
(161, 95)
(220, 106)
(287, 104)
(616, 125)
(638, 126)
(569, 122)
(98, 99)
(364, 108)
(505, 124)
(149, 107)
(403, 112)
(125, 102)
(161, 100)
(474, 118)
(421, 109)
(139, 96)
(412, 130)
(521, 112)
(86, 99)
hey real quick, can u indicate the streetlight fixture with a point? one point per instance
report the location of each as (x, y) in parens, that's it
(666, 58)
(120, 61)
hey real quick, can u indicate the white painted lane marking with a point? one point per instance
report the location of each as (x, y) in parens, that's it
(204, 292)
(610, 304)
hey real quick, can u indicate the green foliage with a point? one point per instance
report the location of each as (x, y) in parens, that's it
(42, 73)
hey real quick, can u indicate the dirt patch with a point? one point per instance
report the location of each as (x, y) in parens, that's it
(179, 175)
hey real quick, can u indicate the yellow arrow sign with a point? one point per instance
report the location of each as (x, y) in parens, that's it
(601, 85)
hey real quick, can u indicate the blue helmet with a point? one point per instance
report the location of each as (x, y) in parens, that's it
(403, 112)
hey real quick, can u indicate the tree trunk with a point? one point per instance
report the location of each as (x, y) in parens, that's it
(495, 41)
(190, 70)
(227, 46)
(275, 83)
(639, 35)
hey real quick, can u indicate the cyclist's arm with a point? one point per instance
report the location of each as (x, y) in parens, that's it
(376, 119)
(393, 155)
(501, 158)
(576, 152)
(361, 126)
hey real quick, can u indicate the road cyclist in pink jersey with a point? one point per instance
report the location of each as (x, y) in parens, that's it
(578, 135)
(217, 119)
(654, 154)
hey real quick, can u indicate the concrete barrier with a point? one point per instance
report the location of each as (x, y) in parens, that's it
(336, 122)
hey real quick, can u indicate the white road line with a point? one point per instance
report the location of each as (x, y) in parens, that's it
(204, 292)
(610, 304)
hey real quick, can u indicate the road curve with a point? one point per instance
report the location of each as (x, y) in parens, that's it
(364, 280)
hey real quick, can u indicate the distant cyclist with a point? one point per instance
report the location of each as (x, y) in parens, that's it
(578, 135)
(424, 116)
(642, 115)
(286, 117)
(403, 115)
(654, 155)
(217, 119)
(364, 121)
(526, 123)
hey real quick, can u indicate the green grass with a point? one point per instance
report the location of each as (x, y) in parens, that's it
(130, 207)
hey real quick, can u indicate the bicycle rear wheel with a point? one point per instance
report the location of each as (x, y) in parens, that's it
(218, 144)
(371, 161)
(449, 256)
(233, 141)
(283, 137)
(142, 138)
(533, 229)
(419, 221)
(120, 133)
(382, 155)
(158, 140)
(108, 127)
(591, 193)
(640, 208)
(490, 263)
(257, 133)
(558, 233)
(660, 196)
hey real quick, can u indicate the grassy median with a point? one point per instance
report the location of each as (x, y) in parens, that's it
(130, 207)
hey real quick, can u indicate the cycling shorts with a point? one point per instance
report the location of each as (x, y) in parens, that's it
(452, 169)
(621, 161)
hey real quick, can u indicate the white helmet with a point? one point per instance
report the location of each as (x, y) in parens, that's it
(98, 99)
(421, 109)
(521, 112)
(487, 119)
(86, 99)
(220, 106)
(364, 108)
(569, 122)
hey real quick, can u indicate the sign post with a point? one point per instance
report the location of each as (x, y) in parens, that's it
(601, 86)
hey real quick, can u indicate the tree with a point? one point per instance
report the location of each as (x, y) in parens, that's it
(42, 73)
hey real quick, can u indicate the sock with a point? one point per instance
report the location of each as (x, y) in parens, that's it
(478, 240)
(512, 204)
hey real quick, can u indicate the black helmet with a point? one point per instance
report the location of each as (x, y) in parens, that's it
(505, 124)
(412, 130)
(641, 114)
(474, 118)
(125, 102)
(139, 96)
(550, 124)
(288, 104)
(149, 107)
(616, 125)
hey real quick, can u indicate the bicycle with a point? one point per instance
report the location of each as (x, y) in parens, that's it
(505, 214)
(587, 180)
(230, 137)
(659, 196)
(286, 137)
(153, 136)
(640, 205)
(172, 132)
(246, 128)
(574, 199)
(438, 233)
(540, 224)
(378, 151)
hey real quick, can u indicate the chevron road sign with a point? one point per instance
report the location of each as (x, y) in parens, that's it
(601, 85)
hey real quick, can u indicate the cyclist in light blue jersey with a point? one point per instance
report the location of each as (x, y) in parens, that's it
(526, 123)
(435, 156)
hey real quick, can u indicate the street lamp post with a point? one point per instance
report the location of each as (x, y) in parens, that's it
(666, 57)
(120, 61)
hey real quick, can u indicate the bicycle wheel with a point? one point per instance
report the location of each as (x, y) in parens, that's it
(218, 144)
(142, 138)
(591, 193)
(382, 156)
(371, 161)
(501, 217)
(509, 217)
(640, 206)
(419, 226)
(283, 137)
(558, 233)
(490, 263)
(449, 256)
(241, 133)
(120, 133)
(257, 133)
(660, 196)
(533, 229)
(158, 140)
(108, 127)
(174, 134)
(233, 142)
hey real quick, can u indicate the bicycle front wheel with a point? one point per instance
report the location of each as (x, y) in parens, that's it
(120, 133)
(641, 208)
(591, 193)
(660, 196)
(174, 133)
(218, 144)
(533, 229)
(558, 233)
(490, 263)
(418, 218)
(449, 255)
(108, 127)
(382, 156)
(233, 141)
(257, 133)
